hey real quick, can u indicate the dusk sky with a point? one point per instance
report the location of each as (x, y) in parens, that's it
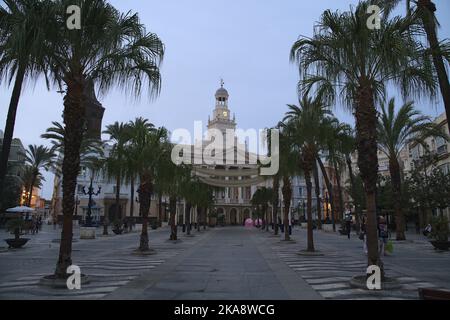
(245, 42)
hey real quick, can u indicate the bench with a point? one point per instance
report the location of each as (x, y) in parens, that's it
(433, 294)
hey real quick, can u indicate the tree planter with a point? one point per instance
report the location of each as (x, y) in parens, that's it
(87, 232)
(118, 231)
(60, 283)
(441, 245)
(360, 282)
(16, 243)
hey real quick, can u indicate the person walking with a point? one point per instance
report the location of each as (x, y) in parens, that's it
(383, 235)
(363, 234)
(348, 222)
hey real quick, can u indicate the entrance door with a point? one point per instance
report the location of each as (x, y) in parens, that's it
(233, 216)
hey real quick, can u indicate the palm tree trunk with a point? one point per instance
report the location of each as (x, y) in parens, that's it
(366, 142)
(339, 188)
(173, 212)
(132, 196)
(428, 20)
(160, 209)
(10, 122)
(30, 191)
(287, 195)
(317, 189)
(394, 169)
(265, 206)
(117, 213)
(205, 212)
(329, 188)
(310, 245)
(275, 187)
(187, 219)
(145, 192)
(352, 189)
(74, 118)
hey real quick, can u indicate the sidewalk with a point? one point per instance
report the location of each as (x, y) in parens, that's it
(229, 263)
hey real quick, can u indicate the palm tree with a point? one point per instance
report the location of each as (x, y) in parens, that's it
(347, 148)
(119, 134)
(168, 180)
(346, 60)
(396, 130)
(317, 192)
(288, 166)
(30, 181)
(335, 148)
(148, 144)
(37, 158)
(90, 148)
(23, 30)
(424, 12)
(110, 49)
(275, 201)
(305, 125)
(261, 199)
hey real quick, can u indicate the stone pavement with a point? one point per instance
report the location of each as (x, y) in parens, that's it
(220, 263)
(414, 263)
(229, 263)
(107, 260)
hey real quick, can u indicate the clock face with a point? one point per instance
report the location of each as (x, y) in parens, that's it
(225, 113)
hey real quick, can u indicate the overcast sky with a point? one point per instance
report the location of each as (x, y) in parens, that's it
(245, 42)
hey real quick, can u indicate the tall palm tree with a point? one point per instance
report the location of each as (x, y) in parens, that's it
(110, 49)
(288, 167)
(305, 125)
(149, 145)
(37, 158)
(23, 31)
(347, 146)
(346, 60)
(169, 178)
(335, 149)
(119, 135)
(317, 192)
(395, 131)
(424, 11)
(90, 148)
(29, 181)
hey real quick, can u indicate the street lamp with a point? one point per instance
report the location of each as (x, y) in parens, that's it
(90, 193)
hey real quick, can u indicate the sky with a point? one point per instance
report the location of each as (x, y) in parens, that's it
(245, 42)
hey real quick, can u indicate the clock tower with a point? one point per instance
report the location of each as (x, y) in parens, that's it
(221, 115)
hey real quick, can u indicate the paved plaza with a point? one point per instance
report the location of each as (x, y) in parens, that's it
(220, 263)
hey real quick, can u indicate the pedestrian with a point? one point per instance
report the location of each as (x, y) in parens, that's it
(427, 230)
(363, 234)
(348, 222)
(40, 223)
(383, 235)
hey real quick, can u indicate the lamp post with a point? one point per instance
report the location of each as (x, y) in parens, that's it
(90, 193)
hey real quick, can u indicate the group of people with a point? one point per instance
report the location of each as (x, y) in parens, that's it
(383, 234)
(32, 224)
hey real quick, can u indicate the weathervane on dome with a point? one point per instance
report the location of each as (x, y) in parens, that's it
(221, 82)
